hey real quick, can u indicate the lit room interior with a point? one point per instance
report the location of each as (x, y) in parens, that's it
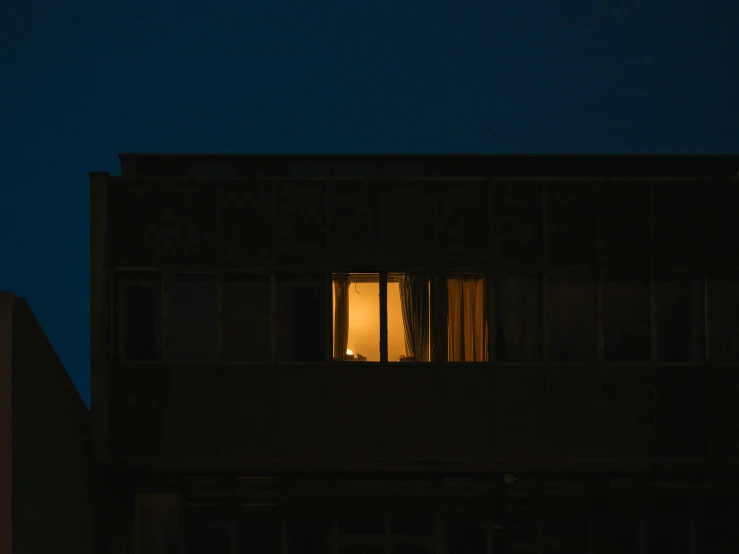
(356, 317)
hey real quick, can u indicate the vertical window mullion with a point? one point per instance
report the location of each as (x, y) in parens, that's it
(273, 317)
(219, 317)
(383, 317)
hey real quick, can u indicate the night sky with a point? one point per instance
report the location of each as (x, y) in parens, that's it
(82, 81)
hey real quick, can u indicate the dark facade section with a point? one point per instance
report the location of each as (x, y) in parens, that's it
(52, 493)
(399, 354)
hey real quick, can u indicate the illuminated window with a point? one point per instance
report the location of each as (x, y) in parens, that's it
(408, 313)
(356, 316)
(467, 324)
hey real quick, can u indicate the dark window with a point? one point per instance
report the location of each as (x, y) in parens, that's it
(678, 224)
(207, 530)
(311, 525)
(518, 308)
(573, 329)
(362, 515)
(667, 530)
(724, 295)
(617, 530)
(192, 317)
(259, 530)
(516, 224)
(565, 526)
(464, 526)
(413, 525)
(624, 226)
(571, 224)
(301, 321)
(157, 524)
(680, 319)
(138, 316)
(246, 319)
(626, 320)
(717, 529)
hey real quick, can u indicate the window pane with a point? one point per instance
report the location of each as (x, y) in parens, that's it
(573, 331)
(157, 523)
(464, 526)
(259, 530)
(680, 321)
(138, 307)
(518, 318)
(626, 320)
(356, 316)
(192, 317)
(571, 224)
(246, 320)
(413, 525)
(207, 530)
(311, 525)
(725, 319)
(301, 327)
(361, 516)
(467, 324)
(408, 318)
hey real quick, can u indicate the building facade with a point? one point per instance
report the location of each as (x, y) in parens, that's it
(416, 354)
(46, 478)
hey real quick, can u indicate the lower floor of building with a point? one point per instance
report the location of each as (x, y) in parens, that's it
(507, 513)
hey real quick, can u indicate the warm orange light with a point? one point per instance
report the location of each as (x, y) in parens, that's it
(349, 352)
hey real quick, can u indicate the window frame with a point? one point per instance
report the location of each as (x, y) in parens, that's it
(165, 318)
(121, 277)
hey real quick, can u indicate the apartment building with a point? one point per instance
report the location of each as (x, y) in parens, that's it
(416, 354)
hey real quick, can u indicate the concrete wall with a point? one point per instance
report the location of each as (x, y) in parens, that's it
(6, 423)
(52, 496)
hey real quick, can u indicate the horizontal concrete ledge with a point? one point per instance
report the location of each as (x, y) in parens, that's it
(269, 466)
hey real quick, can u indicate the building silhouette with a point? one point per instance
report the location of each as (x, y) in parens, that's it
(46, 478)
(416, 354)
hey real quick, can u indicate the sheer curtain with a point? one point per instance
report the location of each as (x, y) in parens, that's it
(341, 315)
(467, 320)
(414, 300)
(519, 318)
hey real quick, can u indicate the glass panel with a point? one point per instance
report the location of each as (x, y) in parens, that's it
(408, 318)
(573, 331)
(207, 529)
(464, 526)
(626, 320)
(413, 525)
(138, 310)
(467, 324)
(680, 320)
(259, 530)
(192, 317)
(301, 321)
(518, 307)
(356, 317)
(725, 319)
(246, 320)
(311, 526)
(157, 524)
(362, 516)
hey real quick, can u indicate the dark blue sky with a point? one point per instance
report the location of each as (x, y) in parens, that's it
(83, 81)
